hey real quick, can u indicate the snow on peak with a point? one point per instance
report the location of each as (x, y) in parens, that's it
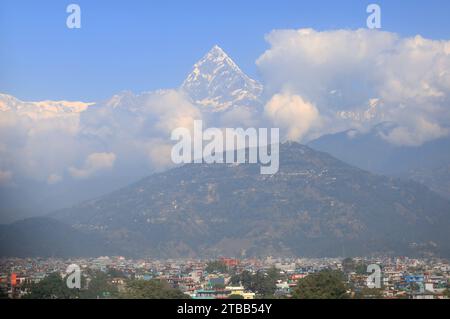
(371, 113)
(218, 83)
(41, 109)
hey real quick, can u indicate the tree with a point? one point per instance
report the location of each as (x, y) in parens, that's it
(262, 282)
(99, 286)
(115, 273)
(216, 266)
(244, 278)
(274, 274)
(151, 289)
(52, 287)
(326, 284)
(446, 293)
(361, 268)
(348, 265)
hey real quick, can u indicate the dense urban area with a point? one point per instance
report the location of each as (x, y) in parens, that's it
(225, 278)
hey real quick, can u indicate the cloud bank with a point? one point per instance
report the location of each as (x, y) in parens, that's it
(314, 83)
(94, 162)
(292, 115)
(343, 71)
(50, 142)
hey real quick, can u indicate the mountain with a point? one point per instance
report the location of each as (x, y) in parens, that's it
(28, 131)
(46, 237)
(41, 109)
(315, 205)
(437, 178)
(428, 163)
(217, 83)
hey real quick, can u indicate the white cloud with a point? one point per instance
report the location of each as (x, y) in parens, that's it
(138, 127)
(171, 109)
(342, 71)
(40, 140)
(315, 83)
(423, 131)
(238, 117)
(158, 152)
(294, 116)
(95, 162)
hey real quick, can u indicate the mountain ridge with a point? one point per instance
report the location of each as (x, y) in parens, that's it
(428, 163)
(315, 206)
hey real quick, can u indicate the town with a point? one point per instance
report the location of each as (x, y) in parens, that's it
(226, 278)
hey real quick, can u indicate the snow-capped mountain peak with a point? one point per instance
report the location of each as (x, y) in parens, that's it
(41, 109)
(218, 83)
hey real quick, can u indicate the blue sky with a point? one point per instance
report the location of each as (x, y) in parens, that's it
(146, 45)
